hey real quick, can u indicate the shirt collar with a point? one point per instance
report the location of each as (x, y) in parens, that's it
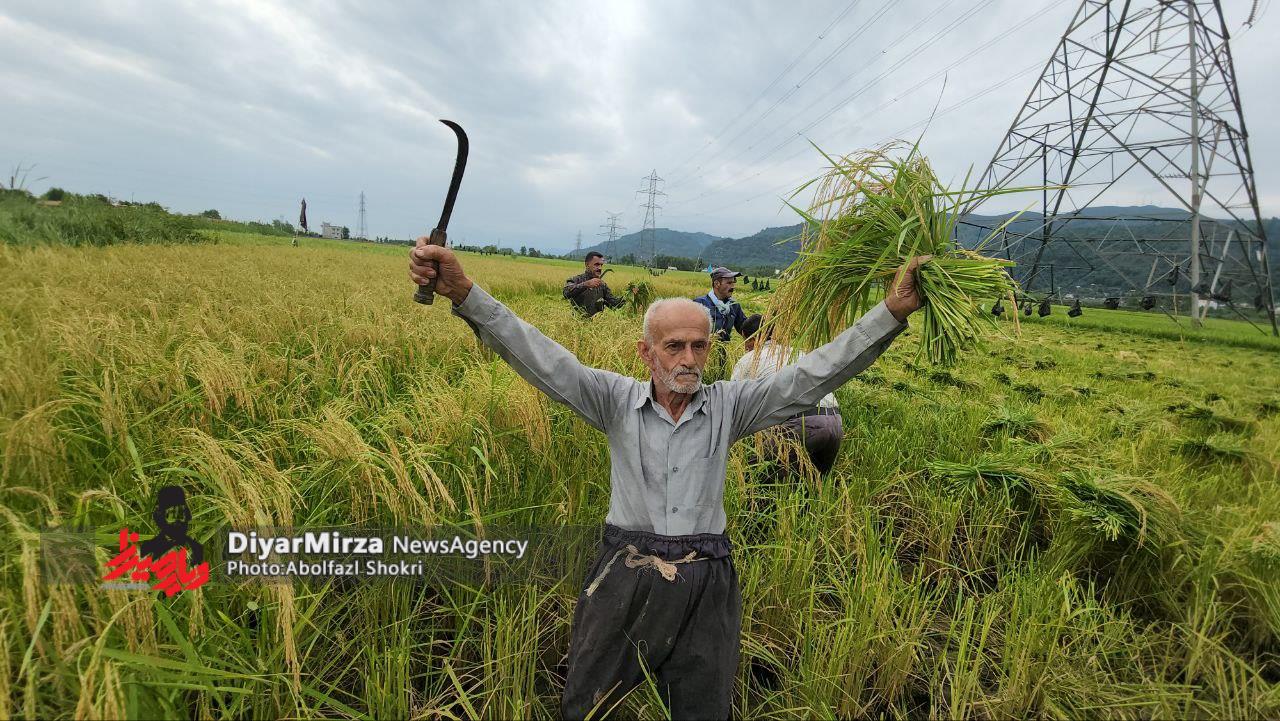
(697, 403)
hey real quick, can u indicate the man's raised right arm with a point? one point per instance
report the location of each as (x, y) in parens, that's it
(545, 364)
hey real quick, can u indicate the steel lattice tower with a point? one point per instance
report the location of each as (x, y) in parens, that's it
(363, 231)
(1139, 93)
(611, 230)
(648, 234)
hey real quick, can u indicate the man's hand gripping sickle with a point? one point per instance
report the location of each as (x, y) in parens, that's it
(904, 297)
(449, 279)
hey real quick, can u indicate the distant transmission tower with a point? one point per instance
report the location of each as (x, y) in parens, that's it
(577, 244)
(1145, 93)
(611, 230)
(648, 235)
(363, 230)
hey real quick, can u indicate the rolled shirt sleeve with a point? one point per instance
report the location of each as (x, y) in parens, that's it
(591, 392)
(767, 401)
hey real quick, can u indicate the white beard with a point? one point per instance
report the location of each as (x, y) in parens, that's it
(675, 386)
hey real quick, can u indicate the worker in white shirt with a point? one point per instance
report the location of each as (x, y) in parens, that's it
(820, 428)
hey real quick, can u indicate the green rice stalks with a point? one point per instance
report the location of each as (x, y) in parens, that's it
(872, 212)
(639, 295)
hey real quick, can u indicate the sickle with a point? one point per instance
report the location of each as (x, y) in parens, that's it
(426, 293)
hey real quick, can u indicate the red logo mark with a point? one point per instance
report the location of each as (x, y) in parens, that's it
(171, 571)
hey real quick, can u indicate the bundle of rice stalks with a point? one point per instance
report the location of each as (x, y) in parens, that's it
(1215, 447)
(873, 211)
(639, 295)
(1016, 423)
(989, 472)
(1130, 511)
(1209, 419)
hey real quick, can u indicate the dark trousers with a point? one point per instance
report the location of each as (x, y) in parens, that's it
(684, 632)
(821, 435)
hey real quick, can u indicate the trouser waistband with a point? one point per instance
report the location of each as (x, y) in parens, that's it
(819, 411)
(707, 545)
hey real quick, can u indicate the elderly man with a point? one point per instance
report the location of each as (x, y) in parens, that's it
(587, 291)
(663, 587)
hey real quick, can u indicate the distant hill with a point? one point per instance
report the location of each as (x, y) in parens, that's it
(665, 241)
(759, 250)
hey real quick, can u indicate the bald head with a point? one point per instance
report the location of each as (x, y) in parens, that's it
(677, 336)
(674, 311)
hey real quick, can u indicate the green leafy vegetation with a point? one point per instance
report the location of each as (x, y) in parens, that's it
(77, 220)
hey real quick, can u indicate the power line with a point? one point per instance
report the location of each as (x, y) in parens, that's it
(742, 113)
(800, 133)
(906, 57)
(786, 97)
(1004, 34)
(809, 76)
(797, 181)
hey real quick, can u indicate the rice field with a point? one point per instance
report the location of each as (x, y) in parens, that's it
(1083, 521)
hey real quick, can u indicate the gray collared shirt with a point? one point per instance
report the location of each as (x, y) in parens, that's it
(668, 475)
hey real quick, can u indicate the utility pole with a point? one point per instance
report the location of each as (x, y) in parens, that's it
(363, 231)
(649, 232)
(611, 230)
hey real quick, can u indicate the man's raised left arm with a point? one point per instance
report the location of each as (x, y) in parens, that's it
(768, 401)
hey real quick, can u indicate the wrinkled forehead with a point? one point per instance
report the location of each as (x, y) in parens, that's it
(681, 323)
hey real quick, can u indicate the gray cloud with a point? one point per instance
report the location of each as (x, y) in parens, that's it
(247, 105)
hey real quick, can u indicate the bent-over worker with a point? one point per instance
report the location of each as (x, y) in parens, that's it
(820, 428)
(663, 585)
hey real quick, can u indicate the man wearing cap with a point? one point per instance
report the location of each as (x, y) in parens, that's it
(726, 314)
(662, 596)
(587, 291)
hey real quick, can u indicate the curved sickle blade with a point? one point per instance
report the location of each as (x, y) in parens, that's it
(458, 167)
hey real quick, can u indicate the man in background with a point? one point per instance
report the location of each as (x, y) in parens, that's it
(819, 428)
(587, 292)
(726, 314)
(726, 317)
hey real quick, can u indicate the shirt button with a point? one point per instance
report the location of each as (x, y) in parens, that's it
(675, 469)
(674, 509)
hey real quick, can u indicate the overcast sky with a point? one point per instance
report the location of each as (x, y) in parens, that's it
(248, 106)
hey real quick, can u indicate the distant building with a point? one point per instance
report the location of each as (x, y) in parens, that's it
(330, 231)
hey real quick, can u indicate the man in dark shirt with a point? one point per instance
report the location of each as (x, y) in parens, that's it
(587, 292)
(726, 317)
(726, 314)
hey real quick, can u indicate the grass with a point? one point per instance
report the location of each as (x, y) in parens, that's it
(83, 220)
(980, 549)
